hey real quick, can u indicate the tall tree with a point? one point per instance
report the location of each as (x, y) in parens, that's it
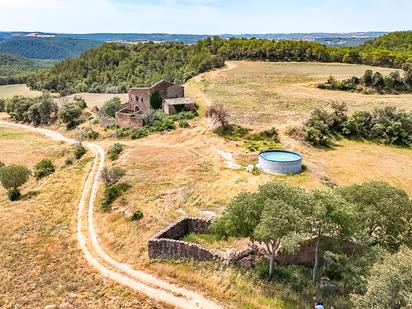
(329, 215)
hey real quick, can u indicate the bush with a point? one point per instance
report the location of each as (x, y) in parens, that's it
(184, 115)
(139, 133)
(43, 169)
(87, 133)
(111, 193)
(13, 194)
(163, 124)
(110, 107)
(70, 114)
(79, 151)
(137, 215)
(112, 175)
(232, 131)
(114, 151)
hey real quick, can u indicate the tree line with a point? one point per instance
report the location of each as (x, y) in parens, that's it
(387, 125)
(116, 67)
(372, 82)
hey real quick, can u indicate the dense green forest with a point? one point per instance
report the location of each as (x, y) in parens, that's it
(393, 41)
(14, 68)
(116, 67)
(46, 48)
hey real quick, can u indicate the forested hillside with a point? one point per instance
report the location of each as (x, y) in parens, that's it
(46, 48)
(13, 68)
(115, 67)
(392, 41)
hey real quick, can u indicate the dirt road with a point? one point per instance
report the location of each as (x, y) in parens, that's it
(137, 280)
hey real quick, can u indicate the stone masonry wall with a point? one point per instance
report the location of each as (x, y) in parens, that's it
(167, 243)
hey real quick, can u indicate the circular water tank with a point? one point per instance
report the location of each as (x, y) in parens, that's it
(280, 162)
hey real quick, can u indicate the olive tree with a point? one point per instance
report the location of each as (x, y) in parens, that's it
(12, 177)
(273, 216)
(329, 215)
(384, 212)
(280, 224)
(389, 285)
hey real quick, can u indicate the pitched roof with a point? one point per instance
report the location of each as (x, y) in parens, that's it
(179, 101)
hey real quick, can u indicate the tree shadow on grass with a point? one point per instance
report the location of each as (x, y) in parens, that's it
(29, 195)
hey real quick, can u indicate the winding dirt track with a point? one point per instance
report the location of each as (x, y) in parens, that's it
(139, 281)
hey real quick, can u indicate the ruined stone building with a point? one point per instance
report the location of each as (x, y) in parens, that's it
(171, 98)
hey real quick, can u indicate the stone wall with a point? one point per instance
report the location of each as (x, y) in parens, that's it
(167, 243)
(127, 119)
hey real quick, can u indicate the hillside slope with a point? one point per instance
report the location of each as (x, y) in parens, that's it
(400, 41)
(46, 48)
(13, 68)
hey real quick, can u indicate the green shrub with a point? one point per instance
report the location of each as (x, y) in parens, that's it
(43, 169)
(184, 115)
(114, 151)
(139, 133)
(79, 151)
(137, 215)
(111, 193)
(232, 131)
(164, 124)
(121, 132)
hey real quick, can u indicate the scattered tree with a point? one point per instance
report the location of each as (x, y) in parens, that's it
(110, 107)
(385, 212)
(12, 177)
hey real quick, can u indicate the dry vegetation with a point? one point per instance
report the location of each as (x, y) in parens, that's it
(40, 262)
(9, 91)
(94, 99)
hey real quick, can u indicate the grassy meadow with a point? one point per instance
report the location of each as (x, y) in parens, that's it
(261, 94)
(40, 261)
(8, 91)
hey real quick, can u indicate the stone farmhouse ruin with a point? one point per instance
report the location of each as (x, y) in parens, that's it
(165, 95)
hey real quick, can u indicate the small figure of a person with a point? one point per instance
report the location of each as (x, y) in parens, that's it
(319, 305)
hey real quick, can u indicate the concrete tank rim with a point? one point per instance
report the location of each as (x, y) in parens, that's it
(280, 150)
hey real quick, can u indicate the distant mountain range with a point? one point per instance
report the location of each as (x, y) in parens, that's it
(333, 39)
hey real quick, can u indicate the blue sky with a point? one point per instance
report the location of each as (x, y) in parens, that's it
(205, 16)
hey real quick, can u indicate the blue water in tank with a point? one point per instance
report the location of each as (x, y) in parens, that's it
(281, 156)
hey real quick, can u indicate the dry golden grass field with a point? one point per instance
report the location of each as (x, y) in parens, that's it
(94, 99)
(261, 94)
(9, 91)
(40, 262)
